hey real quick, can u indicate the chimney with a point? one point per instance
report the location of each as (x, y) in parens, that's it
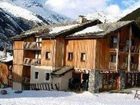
(82, 19)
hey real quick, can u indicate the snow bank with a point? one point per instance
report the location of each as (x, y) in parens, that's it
(8, 58)
(66, 98)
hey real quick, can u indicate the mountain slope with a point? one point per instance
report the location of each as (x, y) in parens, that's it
(134, 15)
(38, 7)
(10, 26)
(16, 18)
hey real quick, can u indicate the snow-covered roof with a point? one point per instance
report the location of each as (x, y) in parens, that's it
(57, 29)
(110, 27)
(93, 29)
(100, 30)
(8, 57)
(62, 71)
(45, 29)
(88, 29)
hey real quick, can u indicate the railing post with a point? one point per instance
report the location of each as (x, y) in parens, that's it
(122, 79)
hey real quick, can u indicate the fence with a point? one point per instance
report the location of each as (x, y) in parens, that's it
(132, 79)
(41, 86)
(109, 80)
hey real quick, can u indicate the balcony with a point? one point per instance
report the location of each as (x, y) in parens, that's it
(29, 62)
(32, 46)
(124, 48)
(135, 49)
(112, 65)
(123, 66)
(134, 66)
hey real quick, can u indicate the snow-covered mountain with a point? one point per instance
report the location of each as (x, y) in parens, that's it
(102, 16)
(39, 8)
(17, 16)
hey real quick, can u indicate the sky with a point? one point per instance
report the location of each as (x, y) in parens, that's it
(111, 8)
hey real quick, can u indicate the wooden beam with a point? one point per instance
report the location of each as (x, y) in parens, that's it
(117, 51)
(129, 53)
(139, 59)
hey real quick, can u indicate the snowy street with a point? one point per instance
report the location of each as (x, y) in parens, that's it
(67, 98)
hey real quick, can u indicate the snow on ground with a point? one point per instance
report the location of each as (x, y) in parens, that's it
(8, 57)
(67, 98)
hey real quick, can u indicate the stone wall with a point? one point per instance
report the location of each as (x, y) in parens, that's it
(95, 81)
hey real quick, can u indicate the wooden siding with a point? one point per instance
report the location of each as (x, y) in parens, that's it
(29, 54)
(87, 46)
(18, 57)
(102, 54)
(48, 46)
(18, 45)
(59, 56)
(17, 73)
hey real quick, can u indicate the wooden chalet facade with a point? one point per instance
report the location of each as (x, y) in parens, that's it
(68, 56)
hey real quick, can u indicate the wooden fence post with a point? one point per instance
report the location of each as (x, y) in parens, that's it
(122, 80)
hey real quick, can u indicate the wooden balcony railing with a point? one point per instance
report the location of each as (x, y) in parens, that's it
(134, 66)
(135, 49)
(124, 48)
(32, 46)
(123, 66)
(112, 66)
(29, 62)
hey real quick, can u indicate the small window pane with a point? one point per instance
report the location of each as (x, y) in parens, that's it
(70, 56)
(48, 55)
(83, 56)
(47, 76)
(36, 75)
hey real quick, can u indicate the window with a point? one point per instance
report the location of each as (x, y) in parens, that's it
(48, 55)
(47, 76)
(114, 41)
(83, 56)
(113, 58)
(36, 75)
(37, 55)
(70, 56)
(39, 40)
